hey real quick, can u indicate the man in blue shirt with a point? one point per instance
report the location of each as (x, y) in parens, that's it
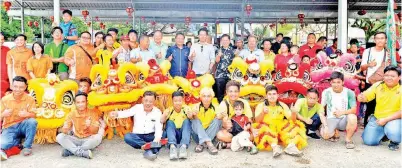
(70, 32)
(178, 56)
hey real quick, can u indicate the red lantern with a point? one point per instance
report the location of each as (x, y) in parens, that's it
(142, 18)
(52, 18)
(36, 23)
(217, 21)
(97, 18)
(126, 22)
(153, 23)
(231, 20)
(30, 23)
(248, 9)
(301, 17)
(272, 26)
(129, 11)
(7, 5)
(361, 12)
(205, 24)
(171, 25)
(85, 13)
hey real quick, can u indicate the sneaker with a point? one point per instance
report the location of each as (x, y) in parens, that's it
(87, 154)
(27, 151)
(183, 152)
(292, 150)
(173, 153)
(392, 146)
(253, 150)
(276, 151)
(149, 155)
(313, 135)
(350, 145)
(66, 153)
(3, 155)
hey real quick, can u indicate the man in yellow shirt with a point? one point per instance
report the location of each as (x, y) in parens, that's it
(178, 127)
(203, 122)
(386, 120)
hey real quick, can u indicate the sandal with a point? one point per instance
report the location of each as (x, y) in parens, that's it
(199, 148)
(212, 150)
(350, 145)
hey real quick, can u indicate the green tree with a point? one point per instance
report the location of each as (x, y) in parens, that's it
(370, 26)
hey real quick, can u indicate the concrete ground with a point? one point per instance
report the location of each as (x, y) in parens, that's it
(116, 154)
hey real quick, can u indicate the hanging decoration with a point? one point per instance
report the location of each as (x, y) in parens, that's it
(187, 20)
(301, 17)
(97, 18)
(153, 23)
(205, 24)
(248, 9)
(361, 12)
(171, 25)
(272, 26)
(30, 23)
(7, 5)
(52, 18)
(217, 21)
(142, 18)
(231, 20)
(85, 13)
(130, 11)
(36, 23)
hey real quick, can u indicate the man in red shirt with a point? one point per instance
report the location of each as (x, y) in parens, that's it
(4, 76)
(310, 48)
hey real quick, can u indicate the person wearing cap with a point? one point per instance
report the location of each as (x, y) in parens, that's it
(158, 47)
(133, 35)
(70, 32)
(123, 53)
(114, 32)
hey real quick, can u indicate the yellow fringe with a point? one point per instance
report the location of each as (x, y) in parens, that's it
(45, 136)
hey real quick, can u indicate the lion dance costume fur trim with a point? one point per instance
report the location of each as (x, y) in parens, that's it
(55, 99)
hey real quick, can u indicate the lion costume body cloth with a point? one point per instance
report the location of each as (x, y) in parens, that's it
(54, 99)
(275, 129)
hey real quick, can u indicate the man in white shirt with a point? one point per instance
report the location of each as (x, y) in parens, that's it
(252, 53)
(147, 131)
(202, 54)
(142, 53)
(371, 61)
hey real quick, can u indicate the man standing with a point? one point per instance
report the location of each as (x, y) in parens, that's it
(70, 32)
(82, 131)
(3, 65)
(310, 48)
(371, 61)
(239, 46)
(322, 41)
(158, 47)
(147, 126)
(224, 57)
(114, 32)
(277, 45)
(17, 59)
(202, 54)
(178, 56)
(17, 115)
(79, 57)
(252, 52)
(332, 49)
(56, 50)
(142, 53)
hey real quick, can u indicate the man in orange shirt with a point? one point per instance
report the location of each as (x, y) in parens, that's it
(79, 57)
(82, 131)
(18, 118)
(17, 59)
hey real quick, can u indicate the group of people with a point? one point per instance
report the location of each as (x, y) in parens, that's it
(212, 126)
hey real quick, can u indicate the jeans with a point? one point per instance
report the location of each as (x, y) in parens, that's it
(78, 145)
(138, 140)
(220, 88)
(178, 136)
(12, 135)
(373, 133)
(201, 135)
(316, 123)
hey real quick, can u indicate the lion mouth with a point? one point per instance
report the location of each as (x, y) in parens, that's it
(253, 97)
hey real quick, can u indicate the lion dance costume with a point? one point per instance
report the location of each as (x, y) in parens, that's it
(55, 99)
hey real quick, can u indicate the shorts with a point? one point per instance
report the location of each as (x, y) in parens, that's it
(337, 123)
